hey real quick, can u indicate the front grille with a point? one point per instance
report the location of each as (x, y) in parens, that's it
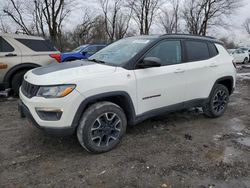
(28, 89)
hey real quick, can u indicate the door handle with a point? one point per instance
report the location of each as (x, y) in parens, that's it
(10, 55)
(213, 65)
(179, 71)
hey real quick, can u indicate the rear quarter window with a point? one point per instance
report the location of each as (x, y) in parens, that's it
(213, 50)
(5, 46)
(38, 45)
(196, 51)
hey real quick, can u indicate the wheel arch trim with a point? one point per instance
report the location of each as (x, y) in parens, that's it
(9, 74)
(224, 78)
(128, 104)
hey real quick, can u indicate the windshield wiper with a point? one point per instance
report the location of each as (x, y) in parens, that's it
(97, 61)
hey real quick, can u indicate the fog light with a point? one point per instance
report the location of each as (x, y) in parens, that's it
(49, 114)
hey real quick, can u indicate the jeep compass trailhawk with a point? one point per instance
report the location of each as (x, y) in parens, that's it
(125, 83)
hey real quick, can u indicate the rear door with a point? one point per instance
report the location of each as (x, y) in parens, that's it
(201, 57)
(10, 56)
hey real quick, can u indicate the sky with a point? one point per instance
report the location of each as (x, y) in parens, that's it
(234, 32)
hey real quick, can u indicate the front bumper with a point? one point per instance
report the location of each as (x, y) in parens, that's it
(64, 125)
(25, 113)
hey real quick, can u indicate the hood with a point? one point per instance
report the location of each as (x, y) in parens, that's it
(69, 72)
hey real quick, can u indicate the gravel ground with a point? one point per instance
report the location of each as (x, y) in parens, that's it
(183, 149)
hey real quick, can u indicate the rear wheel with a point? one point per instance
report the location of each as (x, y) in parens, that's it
(101, 127)
(17, 81)
(218, 102)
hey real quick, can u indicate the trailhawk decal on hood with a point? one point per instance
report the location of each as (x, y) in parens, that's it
(61, 66)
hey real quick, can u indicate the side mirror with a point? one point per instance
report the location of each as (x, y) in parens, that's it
(149, 62)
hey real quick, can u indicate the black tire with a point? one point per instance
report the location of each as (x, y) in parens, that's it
(245, 60)
(101, 127)
(218, 102)
(17, 81)
(67, 60)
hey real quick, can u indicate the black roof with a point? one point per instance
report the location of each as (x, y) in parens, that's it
(181, 36)
(189, 36)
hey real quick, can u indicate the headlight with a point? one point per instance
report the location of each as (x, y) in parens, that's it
(55, 91)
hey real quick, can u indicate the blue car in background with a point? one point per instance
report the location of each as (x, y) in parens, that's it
(81, 52)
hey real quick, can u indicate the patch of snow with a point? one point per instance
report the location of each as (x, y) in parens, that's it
(244, 76)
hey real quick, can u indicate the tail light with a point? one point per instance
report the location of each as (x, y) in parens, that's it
(57, 57)
(234, 64)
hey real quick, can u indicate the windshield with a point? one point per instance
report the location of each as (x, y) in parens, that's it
(121, 51)
(79, 48)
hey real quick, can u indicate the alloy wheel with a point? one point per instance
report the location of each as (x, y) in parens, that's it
(106, 129)
(220, 101)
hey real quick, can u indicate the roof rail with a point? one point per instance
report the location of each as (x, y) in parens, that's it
(194, 35)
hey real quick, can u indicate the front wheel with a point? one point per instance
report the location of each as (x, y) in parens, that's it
(101, 127)
(218, 102)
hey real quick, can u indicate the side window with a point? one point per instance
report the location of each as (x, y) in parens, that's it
(169, 52)
(213, 50)
(196, 50)
(37, 45)
(5, 46)
(91, 49)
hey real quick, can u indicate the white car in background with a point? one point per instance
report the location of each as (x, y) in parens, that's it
(240, 56)
(19, 54)
(246, 49)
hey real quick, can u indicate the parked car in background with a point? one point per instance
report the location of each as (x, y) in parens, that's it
(81, 52)
(240, 56)
(246, 49)
(230, 51)
(20, 53)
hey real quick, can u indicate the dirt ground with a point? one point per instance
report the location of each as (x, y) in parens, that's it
(183, 149)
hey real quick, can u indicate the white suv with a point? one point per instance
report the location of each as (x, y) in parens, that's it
(125, 83)
(20, 53)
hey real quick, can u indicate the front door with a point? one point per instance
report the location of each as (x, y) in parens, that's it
(162, 86)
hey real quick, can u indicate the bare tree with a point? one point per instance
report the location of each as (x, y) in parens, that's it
(144, 12)
(46, 15)
(122, 25)
(4, 28)
(229, 44)
(54, 12)
(98, 32)
(82, 33)
(246, 25)
(167, 21)
(116, 22)
(200, 14)
(38, 17)
(15, 10)
(170, 18)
